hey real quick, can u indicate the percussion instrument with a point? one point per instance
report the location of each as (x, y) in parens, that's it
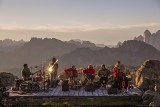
(103, 81)
(29, 86)
(17, 83)
(38, 79)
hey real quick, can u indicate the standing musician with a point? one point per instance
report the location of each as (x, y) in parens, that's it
(117, 75)
(53, 70)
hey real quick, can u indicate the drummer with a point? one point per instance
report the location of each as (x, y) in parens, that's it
(26, 73)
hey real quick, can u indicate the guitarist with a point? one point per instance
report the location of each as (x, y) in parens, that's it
(89, 73)
(53, 72)
(72, 74)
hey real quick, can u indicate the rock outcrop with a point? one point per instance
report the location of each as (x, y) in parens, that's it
(147, 35)
(139, 38)
(148, 74)
(151, 97)
(150, 38)
(6, 79)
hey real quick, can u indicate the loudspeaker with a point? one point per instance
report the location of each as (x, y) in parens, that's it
(112, 90)
(65, 85)
(89, 88)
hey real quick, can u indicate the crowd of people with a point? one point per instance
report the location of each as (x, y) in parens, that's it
(120, 79)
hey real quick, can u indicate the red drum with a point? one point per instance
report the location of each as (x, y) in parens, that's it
(38, 79)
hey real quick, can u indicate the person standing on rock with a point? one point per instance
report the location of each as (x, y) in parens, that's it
(53, 68)
(124, 78)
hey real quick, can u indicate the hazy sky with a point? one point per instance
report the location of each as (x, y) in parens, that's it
(100, 21)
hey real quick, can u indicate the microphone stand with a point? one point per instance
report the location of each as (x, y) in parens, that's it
(44, 79)
(48, 81)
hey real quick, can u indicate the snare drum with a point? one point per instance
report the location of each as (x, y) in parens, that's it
(38, 79)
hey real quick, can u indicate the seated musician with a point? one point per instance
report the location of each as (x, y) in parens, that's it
(71, 72)
(26, 73)
(89, 73)
(103, 73)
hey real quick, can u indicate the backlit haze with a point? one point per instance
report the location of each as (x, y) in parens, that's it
(99, 21)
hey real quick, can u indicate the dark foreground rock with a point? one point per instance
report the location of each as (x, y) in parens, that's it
(151, 97)
(6, 79)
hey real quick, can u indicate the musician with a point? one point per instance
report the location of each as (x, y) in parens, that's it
(89, 73)
(71, 72)
(53, 72)
(26, 73)
(103, 74)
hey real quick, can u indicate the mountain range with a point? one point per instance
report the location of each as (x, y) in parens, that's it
(75, 52)
(150, 38)
(10, 45)
(131, 52)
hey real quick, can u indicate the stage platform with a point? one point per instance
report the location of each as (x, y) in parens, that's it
(57, 92)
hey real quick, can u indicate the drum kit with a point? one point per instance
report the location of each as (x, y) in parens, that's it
(41, 83)
(33, 84)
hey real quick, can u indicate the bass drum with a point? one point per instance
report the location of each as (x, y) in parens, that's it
(17, 83)
(29, 86)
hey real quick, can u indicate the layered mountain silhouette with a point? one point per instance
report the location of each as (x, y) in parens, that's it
(131, 52)
(86, 44)
(10, 45)
(150, 38)
(35, 51)
(38, 51)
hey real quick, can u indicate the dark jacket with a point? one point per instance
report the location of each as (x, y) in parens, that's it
(26, 73)
(103, 73)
